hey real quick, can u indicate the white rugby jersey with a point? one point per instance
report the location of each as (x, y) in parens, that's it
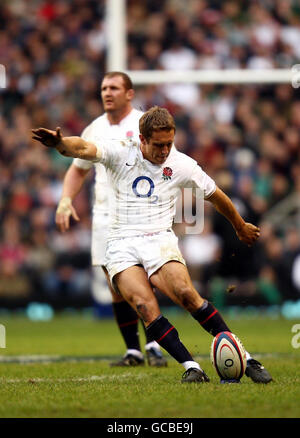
(128, 128)
(143, 195)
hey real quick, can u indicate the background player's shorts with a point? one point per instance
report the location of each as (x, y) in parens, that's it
(151, 250)
(99, 238)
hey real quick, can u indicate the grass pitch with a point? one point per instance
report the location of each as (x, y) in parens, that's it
(60, 369)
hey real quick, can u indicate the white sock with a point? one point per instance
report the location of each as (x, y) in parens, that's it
(134, 352)
(248, 355)
(152, 344)
(191, 364)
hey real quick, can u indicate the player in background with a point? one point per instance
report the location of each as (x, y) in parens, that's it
(120, 121)
(142, 250)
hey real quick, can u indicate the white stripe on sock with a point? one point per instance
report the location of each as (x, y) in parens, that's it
(191, 364)
(134, 352)
(152, 344)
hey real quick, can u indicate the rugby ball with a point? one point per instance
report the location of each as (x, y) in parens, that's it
(228, 356)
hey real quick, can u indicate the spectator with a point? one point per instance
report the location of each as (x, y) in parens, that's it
(54, 55)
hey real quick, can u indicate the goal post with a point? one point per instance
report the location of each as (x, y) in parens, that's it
(236, 76)
(115, 23)
(117, 53)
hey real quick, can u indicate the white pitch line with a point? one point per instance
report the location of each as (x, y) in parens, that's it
(73, 379)
(30, 358)
(47, 359)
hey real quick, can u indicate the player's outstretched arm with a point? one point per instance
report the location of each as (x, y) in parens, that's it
(246, 232)
(74, 147)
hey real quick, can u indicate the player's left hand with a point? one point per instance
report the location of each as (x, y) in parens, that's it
(47, 137)
(64, 211)
(248, 234)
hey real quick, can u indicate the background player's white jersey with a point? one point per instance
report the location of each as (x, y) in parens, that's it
(128, 128)
(143, 195)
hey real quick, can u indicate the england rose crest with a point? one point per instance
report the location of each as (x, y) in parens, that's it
(167, 173)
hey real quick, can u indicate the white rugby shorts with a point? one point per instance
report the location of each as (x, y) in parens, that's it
(100, 223)
(151, 250)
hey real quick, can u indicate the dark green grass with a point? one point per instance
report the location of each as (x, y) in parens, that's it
(91, 389)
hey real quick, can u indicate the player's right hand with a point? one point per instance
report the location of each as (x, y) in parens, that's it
(47, 137)
(64, 210)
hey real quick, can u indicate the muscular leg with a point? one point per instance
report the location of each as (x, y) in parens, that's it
(136, 290)
(174, 280)
(135, 287)
(127, 320)
(116, 298)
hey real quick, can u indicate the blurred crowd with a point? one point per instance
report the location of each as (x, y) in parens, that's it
(246, 137)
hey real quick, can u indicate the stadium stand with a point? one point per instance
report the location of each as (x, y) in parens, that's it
(246, 137)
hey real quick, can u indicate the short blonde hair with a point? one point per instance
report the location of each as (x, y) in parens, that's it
(156, 119)
(126, 79)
